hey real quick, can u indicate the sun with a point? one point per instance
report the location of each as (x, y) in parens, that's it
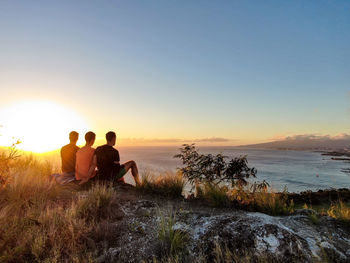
(41, 126)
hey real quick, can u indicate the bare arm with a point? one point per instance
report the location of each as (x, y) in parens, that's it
(91, 171)
(92, 167)
(76, 168)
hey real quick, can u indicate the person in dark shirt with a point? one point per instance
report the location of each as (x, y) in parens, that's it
(68, 154)
(107, 160)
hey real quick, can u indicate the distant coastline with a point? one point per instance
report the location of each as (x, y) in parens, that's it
(337, 145)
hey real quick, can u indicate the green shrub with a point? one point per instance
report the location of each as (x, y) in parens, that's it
(224, 183)
(173, 241)
(200, 168)
(314, 218)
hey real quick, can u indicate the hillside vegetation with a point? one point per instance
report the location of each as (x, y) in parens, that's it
(45, 222)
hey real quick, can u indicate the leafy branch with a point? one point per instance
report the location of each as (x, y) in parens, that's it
(213, 168)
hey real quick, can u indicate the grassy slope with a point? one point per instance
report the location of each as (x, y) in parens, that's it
(44, 222)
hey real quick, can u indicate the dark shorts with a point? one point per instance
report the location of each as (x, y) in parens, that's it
(116, 174)
(119, 174)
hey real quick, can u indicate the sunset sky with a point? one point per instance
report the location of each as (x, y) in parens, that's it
(167, 72)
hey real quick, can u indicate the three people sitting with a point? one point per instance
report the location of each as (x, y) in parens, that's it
(105, 158)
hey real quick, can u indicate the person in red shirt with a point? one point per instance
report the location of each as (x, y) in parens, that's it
(85, 168)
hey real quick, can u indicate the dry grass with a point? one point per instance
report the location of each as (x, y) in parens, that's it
(261, 200)
(166, 184)
(222, 254)
(42, 222)
(215, 195)
(97, 203)
(173, 241)
(28, 186)
(339, 211)
(272, 203)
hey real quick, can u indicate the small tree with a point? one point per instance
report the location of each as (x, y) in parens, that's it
(213, 168)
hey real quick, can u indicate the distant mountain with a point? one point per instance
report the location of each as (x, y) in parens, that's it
(307, 142)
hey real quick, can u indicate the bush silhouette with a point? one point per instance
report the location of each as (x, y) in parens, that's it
(213, 169)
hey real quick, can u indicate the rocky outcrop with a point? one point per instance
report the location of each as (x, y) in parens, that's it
(287, 239)
(295, 238)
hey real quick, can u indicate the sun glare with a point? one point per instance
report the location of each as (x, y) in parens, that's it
(41, 126)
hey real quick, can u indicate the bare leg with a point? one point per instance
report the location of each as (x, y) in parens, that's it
(134, 171)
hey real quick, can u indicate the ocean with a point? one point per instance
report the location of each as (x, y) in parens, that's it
(296, 170)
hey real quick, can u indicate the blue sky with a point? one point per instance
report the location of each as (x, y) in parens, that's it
(247, 71)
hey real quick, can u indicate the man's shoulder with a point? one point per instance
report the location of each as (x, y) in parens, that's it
(85, 150)
(70, 147)
(64, 147)
(105, 148)
(100, 148)
(79, 150)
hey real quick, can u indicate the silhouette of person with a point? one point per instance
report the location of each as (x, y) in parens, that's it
(84, 167)
(107, 160)
(68, 153)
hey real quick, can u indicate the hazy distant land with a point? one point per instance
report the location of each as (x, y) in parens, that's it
(307, 142)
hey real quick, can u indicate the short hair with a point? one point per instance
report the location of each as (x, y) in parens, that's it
(89, 136)
(110, 136)
(73, 136)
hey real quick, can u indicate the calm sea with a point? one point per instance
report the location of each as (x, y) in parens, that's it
(297, 170)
